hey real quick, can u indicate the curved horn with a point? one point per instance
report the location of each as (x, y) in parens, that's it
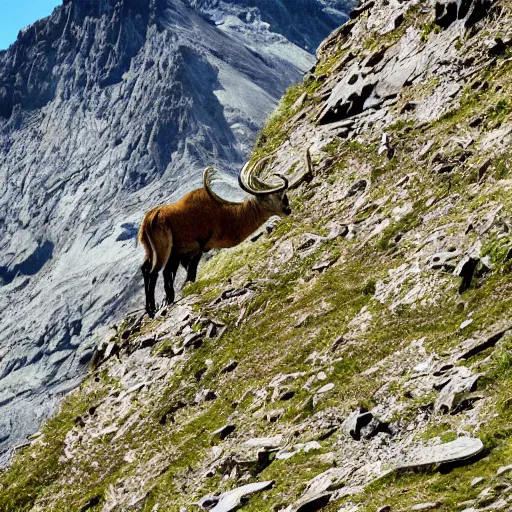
(207, 181)
(285, 180)
(249, 182)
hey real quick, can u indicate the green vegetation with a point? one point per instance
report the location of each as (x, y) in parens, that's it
(34, 469)
(276, 129)
(429, 28)
(501, 110)
(391, 234)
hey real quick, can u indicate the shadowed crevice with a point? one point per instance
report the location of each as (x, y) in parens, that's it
(31, 266)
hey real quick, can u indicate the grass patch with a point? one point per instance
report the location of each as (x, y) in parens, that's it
(33, 471)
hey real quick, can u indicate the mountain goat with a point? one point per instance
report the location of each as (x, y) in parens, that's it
(181, 232)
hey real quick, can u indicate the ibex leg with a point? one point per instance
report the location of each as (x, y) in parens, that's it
(150, 303)
(146, 271)
(169, 275)
(192, 267)
(195, 259)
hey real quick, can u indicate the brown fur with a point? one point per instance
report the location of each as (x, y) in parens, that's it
(198, 217)
(198, 222)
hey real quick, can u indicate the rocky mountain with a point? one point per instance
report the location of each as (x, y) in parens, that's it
(108, 108)
(354, 357)
(300, 21)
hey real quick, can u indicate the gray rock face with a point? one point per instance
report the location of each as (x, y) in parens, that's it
(300, 21)
(106, 110)
(383, 74)
(461, 382)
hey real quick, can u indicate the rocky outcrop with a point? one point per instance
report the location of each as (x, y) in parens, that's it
(108, 108)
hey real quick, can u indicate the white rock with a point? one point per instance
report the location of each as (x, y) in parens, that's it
(425, 506)
(464, 324)
(503, 470)
(232, 499)
(265, 442)
(326, 388)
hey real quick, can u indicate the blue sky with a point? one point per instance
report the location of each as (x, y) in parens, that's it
(17, 14)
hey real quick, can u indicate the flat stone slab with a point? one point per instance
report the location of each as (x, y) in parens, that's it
(265, 442)
(325, 389)
(503, 470)
(501, 504)
(426, 506)
(460, 449)
(233, 499)
(463, 448)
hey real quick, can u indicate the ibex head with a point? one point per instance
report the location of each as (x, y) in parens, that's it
(271, 196)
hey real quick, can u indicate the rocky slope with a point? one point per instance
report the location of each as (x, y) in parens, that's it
(354, 357)
(108, 108)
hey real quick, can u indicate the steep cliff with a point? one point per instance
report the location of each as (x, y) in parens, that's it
(108, 108)
(356, 356)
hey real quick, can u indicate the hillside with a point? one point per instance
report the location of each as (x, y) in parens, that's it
(354, 357)
(108, 108)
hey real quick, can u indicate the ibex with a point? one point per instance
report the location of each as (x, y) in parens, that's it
(181, 232)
